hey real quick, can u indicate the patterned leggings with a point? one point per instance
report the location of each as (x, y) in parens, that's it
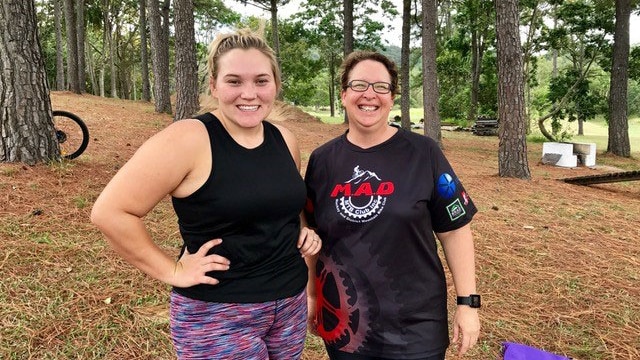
(271, 330)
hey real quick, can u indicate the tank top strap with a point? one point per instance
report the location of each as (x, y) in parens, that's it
(221, 140)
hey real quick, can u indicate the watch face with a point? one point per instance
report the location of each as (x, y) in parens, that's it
(475, 301)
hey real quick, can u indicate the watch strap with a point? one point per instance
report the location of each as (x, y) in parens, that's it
(472, 300)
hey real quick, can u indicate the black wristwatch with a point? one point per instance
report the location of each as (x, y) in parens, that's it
(472, 300)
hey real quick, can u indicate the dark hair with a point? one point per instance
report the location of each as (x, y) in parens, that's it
(358, 56)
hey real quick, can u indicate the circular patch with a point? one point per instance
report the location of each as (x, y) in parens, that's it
(446, 186)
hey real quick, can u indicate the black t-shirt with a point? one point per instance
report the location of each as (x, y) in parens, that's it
(380, 282)
(252, 200)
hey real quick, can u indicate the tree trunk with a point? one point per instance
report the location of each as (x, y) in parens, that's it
(273, 9)
(618, 122)
(108, 45)
(580, 127)
(512, 153)
(348, 35)
(122, 70)
(57, 14)
(144, 55)
(82, 73)
(72, 46)
(430, 92)
(475, 74)
(475, 12)
(91, 68)
(527, 61)
(26, 129)
(187, 103)
(102, 91)
(405, 96)
(160, 58)
(332, 85)
(112, 60)
(348, 27)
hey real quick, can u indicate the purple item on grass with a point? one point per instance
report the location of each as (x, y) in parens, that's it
(513, 351)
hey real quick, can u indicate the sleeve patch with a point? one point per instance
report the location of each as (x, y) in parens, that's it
(455, 210)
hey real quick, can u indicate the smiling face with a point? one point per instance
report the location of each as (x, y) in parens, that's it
(245, 88)
(368, 110)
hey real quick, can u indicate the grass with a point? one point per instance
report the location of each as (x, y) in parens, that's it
(557, 264)
(595, 131)
(325, 116)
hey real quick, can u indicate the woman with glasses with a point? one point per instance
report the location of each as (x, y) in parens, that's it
(376, 195)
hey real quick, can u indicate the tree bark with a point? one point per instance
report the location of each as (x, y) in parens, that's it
(348, 35)
(91, 68)
(332, 84)
(527, 60)
(187, 103)
(405, 96)
(618, 121)
(82, 73)
(144, 54)
(160, 58)
(430, 92)
(475, 73)
(26, 129)
(348, 27)
(512, 152)
(580, 127)
(57, 14)
(72, 46)
(108, 48)
(273, 9)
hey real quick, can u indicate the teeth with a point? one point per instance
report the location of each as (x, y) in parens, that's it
(248, 108)
(368, 108)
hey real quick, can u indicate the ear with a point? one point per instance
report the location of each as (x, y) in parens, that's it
(212, 86)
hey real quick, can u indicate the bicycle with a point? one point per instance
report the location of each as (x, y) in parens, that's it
(71, 132)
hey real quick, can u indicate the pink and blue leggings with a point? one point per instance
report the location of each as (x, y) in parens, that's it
(273, 330)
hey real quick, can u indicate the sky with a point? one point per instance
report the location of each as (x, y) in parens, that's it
(393, 36)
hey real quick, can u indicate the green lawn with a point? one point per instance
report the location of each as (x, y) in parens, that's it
(595, 131)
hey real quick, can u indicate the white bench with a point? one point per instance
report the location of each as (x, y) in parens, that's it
(569, 154)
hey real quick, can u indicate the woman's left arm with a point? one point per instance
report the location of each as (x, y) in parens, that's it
(460, 256)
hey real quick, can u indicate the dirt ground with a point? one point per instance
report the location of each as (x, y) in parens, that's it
(558, 265)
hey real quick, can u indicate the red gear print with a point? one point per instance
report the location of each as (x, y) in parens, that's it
(338, 313)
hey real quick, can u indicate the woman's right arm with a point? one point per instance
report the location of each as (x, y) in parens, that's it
(169, 162)
(312, 296)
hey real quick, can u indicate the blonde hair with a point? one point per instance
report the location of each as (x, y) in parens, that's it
(244, 39)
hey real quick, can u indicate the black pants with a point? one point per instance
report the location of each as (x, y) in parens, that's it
(339, 355)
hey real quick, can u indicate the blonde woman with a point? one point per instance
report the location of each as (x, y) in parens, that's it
(239, 283)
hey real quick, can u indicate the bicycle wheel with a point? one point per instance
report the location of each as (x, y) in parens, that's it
(72, 134)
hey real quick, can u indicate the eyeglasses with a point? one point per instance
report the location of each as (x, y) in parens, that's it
(380, 87)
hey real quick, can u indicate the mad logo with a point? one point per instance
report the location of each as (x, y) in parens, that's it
(446, 186)
(362, 198)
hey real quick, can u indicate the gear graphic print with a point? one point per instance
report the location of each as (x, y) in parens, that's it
(342, 315)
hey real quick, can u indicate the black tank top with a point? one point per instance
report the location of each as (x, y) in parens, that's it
(252, 201)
